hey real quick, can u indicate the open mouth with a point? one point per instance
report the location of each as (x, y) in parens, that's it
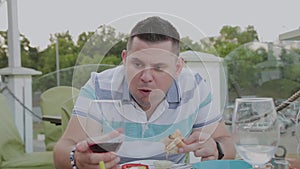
(145, 90)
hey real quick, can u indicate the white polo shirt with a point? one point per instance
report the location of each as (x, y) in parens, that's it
(187, 105)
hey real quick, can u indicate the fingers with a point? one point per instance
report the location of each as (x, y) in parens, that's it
(202, 144)
(82, 146)
(207, 153)
(196, 140)
(208, 158)
(85, 159)
(112, 164)
(198, 137)
(94, 158)
(294, 162)
(115, 134)
(91, 160)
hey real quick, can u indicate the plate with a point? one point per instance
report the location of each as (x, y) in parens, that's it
(146, 162)
(150, 164)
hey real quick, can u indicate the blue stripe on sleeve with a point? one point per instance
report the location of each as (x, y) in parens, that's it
(88, 92)
(218, 118)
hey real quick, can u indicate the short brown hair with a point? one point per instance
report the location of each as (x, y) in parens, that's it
(155, 29)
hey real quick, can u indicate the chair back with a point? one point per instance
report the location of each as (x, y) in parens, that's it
(51, 103)
(11, 144)
(66, 112)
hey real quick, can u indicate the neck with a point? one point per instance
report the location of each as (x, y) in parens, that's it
(150, 107)
(150, 111)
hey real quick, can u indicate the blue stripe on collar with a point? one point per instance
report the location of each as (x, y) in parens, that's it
(173, 93)
(126, 94)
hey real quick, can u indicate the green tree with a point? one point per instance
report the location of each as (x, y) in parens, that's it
(232, 37)
(188, 44)
(67, 50)
(291, 65)
(83, 38)
(243, 69)
(104, 42)
(29, 54)
(111, 60)
(3, 49)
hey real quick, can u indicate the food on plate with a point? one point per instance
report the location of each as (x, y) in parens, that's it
(173, 142)
(162, 164)
(135, 166)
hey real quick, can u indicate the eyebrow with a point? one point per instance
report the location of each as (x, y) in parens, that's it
(155, 64)
(135, 59)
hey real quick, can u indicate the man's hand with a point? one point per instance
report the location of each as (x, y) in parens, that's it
(85, 159)
(294, 163)
(202, 144)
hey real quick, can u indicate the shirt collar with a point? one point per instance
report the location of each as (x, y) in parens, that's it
(173, 93)
(126, 94)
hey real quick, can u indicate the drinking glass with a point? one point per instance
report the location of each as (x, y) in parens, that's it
(255, 130)
(105, 126)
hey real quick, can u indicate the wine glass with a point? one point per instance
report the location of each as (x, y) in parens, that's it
(297, 132)
(255, 130)
(104, 126)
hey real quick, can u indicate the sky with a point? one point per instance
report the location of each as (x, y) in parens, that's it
(37, 19)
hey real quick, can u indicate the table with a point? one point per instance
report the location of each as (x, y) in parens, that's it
(222, 164)
(210, 164)
(235, 164)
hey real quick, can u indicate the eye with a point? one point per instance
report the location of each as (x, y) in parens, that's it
(137, 64)
(159, 67)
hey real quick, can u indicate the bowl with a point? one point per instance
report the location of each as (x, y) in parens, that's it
(162, 164)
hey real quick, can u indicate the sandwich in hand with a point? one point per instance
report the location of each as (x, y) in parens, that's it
(173, 142)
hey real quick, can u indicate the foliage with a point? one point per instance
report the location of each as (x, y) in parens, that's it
(278, 89)
(291, 65)
(230, 38)
(99, 50)
(3, 49)
(83, 38)
(262, 69)
(29, 55)
(188, 44)
(112, 60)
(241, 70)
(67, 52)
(108, 43)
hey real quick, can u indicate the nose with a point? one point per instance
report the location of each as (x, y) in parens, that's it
(146, 75)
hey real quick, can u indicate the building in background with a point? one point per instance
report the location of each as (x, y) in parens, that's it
(293, 35)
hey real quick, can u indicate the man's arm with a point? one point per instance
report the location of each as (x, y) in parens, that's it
(72, 135)
(75, 136)
(222, 135)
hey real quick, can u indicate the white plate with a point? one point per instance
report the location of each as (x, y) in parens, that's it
(150, 164)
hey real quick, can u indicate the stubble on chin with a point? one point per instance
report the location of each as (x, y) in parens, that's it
(154, 99)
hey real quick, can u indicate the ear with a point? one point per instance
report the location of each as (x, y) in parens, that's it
(179, 65)
(124, 55)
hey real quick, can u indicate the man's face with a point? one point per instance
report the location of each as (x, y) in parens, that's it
(150, 71)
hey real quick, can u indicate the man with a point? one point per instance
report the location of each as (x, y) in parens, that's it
(161, 96)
